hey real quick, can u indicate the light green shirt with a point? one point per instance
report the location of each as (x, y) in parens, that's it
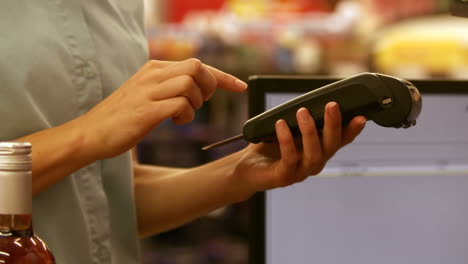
(59, 58)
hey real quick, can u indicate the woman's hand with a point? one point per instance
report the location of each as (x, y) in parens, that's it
(267, 166)
(184, 194)
(159, 90)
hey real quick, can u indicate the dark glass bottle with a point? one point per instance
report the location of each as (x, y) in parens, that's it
(18, 242)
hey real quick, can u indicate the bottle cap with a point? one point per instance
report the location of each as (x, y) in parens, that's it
(15, 156)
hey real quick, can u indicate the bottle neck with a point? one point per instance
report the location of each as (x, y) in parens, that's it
(15, 193)
(15, 223)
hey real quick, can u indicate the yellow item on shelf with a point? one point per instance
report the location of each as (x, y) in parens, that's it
(248, 8)
(430, 46)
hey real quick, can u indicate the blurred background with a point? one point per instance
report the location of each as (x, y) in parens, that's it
(409, 39)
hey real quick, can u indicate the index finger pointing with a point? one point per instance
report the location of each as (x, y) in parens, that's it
(227, 81)
(224, 80)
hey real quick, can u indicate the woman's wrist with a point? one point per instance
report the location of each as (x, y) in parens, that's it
(237, 186)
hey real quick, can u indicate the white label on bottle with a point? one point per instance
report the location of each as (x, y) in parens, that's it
(15, 193)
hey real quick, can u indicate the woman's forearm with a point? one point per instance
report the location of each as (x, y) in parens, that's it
(56, 153)
(167, 198)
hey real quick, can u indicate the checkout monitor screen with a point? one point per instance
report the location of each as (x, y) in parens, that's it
(392, 196)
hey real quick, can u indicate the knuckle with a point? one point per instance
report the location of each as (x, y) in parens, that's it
(212, 87)
(191, 91)
(182, 104)
(152, 63)
(185, 113)
(195, 64)
(186, 81)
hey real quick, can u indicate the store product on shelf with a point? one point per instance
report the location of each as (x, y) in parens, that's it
(423, 48)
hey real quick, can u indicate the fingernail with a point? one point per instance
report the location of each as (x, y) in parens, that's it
(332, 108)
(363, 120)
(281, 124)
(360, 120)
(332, 105)
(241, 85)
(303, 115)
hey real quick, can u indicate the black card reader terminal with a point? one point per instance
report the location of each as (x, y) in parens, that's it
(388, 101)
